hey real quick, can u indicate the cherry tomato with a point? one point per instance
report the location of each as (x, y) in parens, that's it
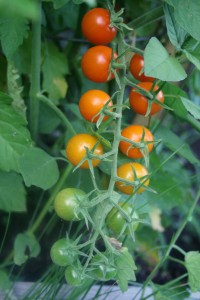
(116, 221)
(136, 133)
(96, 26)
(67, 202)
(95, 63)
(139, 103)
(91, 103)
(62, 253)
(136, 66)
(73, 276)
(126, 171)
(102, 270)
(75, 149)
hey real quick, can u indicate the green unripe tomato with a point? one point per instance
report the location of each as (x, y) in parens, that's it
(66, 203)
(116, 221)
(62, 252)
(101, 270)
(73, 276)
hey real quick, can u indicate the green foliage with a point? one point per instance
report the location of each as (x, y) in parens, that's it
(192, 262)
(159, 64)
(12, 192)
(13, 30)
(38, 168)
(5, 283)
(23, 242)
(23, 8)
(14, 135)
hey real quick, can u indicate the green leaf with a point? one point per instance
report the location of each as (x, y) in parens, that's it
(13, 30)
(5, 282)
(192, 263)
(25, 243)
(38, 168)
(126, 267)
(54, 68)
(187, 14)
(59, 3)
(191, 107)
(14, 136)
(46, 114)
(191, 48)
(174, 142)
(12, 192)
(159, 64)
(176, 33)
(24, 8)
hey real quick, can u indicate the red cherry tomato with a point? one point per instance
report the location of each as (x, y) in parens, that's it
(96, 26)
(135, 133)
(139, 103)
(126, 171)
(91, 103)
(95, 63)
(75, 149)
(136, 66)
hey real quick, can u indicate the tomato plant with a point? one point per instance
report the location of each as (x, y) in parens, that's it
(133, 172)
(62, 253)
(102, 269)
(140, 135)
(139, 103)
(76, 149)
(91, 103)
(66, 203)
(96, 26)
(136, 68)
(96, 63)
(117, 222)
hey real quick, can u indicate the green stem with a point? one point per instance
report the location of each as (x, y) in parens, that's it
(59, 113)
(45, 209)
(35, 74)
(172, 243)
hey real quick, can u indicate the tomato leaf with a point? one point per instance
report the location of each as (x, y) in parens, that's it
(38, 168)
(191, 49)
(54, 68)
(191, 107)
(25, 242)
(159, 64)
(174, 142)
(59, 3)
(12, 192)
(5, 282)
(187, 14)
(13, 30)
(14, 136)
(175, 32)
(192, 263)
(24, 8)
(126, 267)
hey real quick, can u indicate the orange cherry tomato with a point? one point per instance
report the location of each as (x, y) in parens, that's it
(136, 66)
(96, 26)
(95, 63)
(139, 103)
(91, 103)
(135, 133)
(125, 171)
(75, 149)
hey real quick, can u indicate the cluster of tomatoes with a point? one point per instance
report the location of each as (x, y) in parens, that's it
(85, 150)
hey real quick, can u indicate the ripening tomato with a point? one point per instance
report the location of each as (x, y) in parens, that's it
(66, 203)
(139, 103)
(136, 66)
(75, 149)
(96, 62)
(96, 26)
(126, 171)
(137, 134)
(116, 222)
(62, 253)
(91, 103)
